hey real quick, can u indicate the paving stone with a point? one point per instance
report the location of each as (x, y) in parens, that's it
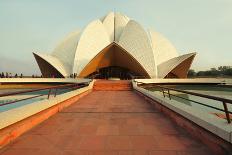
(107, 123)
(92, 143)
(118, 143)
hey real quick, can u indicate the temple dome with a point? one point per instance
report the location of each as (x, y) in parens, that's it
(111, 41)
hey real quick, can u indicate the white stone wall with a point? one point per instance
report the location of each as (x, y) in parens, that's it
(135, 41)
(169, 65)
(56, 63)
(65, 51)
(162, 48)
(94, 38)
(108, 22)
(120, 23)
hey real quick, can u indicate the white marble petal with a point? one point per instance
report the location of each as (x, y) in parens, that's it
(55, 62)
(135, 41)
(94, 38)
(167, 66)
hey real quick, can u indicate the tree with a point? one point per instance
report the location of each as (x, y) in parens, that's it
(228, 71)
(214, 72)
(223, 68)
(191, 73)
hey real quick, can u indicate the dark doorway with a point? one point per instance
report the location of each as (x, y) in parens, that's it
(113, 61)
(114, 72)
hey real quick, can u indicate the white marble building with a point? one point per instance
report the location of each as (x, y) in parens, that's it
(115, 40)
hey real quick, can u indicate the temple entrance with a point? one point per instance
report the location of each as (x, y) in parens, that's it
(114, 72)
(114, 62)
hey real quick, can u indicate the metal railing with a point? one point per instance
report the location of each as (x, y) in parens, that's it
(224, 101)
(51, 90)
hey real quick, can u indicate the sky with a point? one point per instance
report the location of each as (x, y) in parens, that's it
(202, 26)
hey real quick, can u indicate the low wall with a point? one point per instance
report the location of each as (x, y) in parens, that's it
(15, 122)
(188, 80)
(212, 131)
(43, 80)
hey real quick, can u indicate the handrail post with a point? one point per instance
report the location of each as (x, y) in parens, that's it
(55, 92)
(169, 94)
(163, 92)
(49, 92)
(226, 112)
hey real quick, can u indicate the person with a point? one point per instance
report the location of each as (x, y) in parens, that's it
(16, 75)
(21, 75)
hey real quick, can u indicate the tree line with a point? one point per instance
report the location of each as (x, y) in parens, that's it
(222, 71)
(16, 75)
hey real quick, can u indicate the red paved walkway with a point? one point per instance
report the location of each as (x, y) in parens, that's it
(109, 123)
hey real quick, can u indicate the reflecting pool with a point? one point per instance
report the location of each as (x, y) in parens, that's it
(212, 90)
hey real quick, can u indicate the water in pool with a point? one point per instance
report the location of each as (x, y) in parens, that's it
(213, 90)
(26, 95)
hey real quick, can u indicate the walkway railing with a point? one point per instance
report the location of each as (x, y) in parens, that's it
(51, 91)
(224, 101)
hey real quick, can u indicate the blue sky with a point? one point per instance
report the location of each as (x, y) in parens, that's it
(202, 26)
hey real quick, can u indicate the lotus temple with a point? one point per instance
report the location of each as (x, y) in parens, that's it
(115, 46)
(115, 88)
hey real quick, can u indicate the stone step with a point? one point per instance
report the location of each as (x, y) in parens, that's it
(112, 85)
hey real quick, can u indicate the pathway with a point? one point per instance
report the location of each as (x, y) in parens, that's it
(109, 123)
